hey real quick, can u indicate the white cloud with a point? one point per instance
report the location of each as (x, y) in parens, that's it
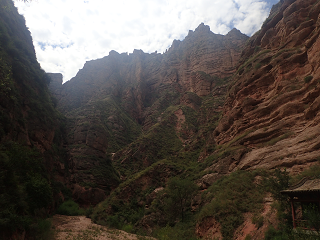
(66, 33)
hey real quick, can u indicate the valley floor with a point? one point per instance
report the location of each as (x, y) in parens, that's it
(81, 228)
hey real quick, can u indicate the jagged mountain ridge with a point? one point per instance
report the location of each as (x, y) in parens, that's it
(114, 100)
(200, 51)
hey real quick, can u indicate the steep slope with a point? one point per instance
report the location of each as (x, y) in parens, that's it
(114, 100)
(272, 105)
(31, 134)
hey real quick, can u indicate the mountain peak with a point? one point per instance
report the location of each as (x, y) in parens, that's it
(202, 28)
(235, 33)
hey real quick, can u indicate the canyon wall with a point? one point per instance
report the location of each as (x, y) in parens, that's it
(113, 101)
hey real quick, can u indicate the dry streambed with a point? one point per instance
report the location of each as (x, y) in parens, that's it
(81, 228)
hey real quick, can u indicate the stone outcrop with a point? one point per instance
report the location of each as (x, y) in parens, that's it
(55, 85)
(272, 105)
(209, 229)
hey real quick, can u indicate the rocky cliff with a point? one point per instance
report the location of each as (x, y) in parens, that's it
(32, 159)
(263, 115)
(201, 112)
(114, 100)
(272, 104)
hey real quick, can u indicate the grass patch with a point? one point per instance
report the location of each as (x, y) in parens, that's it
(277, 139)
(250, 60)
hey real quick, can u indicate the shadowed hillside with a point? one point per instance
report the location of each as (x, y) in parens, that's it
(32, 158)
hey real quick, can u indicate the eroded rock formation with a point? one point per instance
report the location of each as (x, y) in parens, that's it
(273, 102)
(112, 100)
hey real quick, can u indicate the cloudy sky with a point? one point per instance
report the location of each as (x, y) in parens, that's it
(67, 33)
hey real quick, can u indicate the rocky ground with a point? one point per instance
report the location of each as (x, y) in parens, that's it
(81, 228)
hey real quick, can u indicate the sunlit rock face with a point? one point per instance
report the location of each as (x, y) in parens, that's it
(273, 102)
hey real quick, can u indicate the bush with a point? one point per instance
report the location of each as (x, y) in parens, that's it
(128, 228)
(257, 66)
(70, 208)
(24, 187)
(89, 211)
(181, 231)
(39, 192)
(307, 79)
(257, 220)
(273, 234)
(42, 230)
(122, 214)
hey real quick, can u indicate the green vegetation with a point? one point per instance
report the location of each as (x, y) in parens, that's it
(158, 143)
(122, 215)
(70, 208)
(160, 102)
(278, 181)
(179, 195)
(232, 196)
(252, 59)
(286, 52)
(26, 114)
(313, 172)
(25, 189)
(257, 66)
(110, 119)
(180, 231)
(307, 79)
(277, 139)
(111, 114)
(257, 219)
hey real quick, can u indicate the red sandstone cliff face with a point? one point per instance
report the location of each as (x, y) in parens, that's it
(188, 66)
(111, 100)
(269, 119)
(273, 103)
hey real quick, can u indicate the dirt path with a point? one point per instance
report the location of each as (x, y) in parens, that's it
(81, 228)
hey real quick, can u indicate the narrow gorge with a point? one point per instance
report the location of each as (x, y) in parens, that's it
(218, 117)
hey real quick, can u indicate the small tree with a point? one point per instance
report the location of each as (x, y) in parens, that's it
(179, 193)
(277, 182)
(311, 214)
